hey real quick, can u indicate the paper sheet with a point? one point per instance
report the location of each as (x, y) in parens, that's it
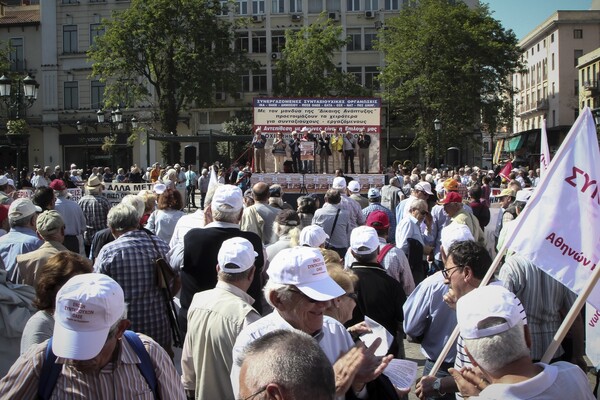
(378, 332)
(402, 373)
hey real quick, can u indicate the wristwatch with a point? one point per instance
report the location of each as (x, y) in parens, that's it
(437, 384)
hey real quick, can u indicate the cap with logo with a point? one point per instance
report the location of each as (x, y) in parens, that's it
(364, 240)
(483, 303)
(228, 195)
(313, 236)
(87, 306)
(236, 255)
(304, 267)
(22, 208)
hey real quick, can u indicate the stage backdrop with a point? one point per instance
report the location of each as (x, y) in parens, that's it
(285, 115)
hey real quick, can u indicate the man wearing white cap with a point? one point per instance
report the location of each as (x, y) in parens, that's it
(197, 256)
(354, 189)
(491, 324)
(380, 297)
(299, 289)
(313, 236)
(215, 319)
(421, 190)
(354, 209)
(89, 354)
(21, 239)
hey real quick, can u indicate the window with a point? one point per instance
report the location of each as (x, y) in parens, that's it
(315, 6)
(392, 5)
(333, 5)
(576, 87)
(17, 62)
(552, 61)
(296, 6)
(538, 47)
(577, 53)
(70, 1)
(71, 96)
(242, 7)
(353, 5)
(553, 89)
(544, 43)
(246, 83)
(259, 42)
(355, 43)
(371, 81)
(97, 98)
(371, 5)
(357, 72)
(553, 117)
(258, 7)
(96, 30)
(370, 38)
(70, 39)
(552, 38)
(242, 43)
(577, 33)
(224, 8)
(277, 41)
(532, 51)
(277, 6)
(259, 81)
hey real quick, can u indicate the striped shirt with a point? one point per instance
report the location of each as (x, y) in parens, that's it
(117, 380)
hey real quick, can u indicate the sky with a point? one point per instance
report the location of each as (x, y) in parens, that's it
(522, 16)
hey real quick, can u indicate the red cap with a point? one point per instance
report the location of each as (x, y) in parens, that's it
(3, 212)
(378, 220)
(57, 184)
(452, 197)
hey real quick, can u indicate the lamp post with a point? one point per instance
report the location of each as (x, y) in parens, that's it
(437, 125)
(115, 123)
(16, 103)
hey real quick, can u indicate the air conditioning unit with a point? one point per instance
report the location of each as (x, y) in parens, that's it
(369, 14)
(296, 18)
(257, 18)
(275, 56)
(220, 96)
(335, 16)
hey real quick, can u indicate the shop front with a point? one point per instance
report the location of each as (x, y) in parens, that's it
(85, 150)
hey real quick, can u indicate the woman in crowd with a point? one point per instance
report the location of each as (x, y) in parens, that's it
(287, 230)
(279, 154)
(51, 277)
(163, 220)
(306, 209)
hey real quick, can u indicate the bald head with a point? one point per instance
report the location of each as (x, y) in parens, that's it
(260, 192)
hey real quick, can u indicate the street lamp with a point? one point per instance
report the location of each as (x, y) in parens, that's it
(115, 123)
(437, 125)
(21, 99)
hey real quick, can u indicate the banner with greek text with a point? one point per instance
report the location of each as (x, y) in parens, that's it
(559, 229)
(114, 192)
(592, 335)
(544, 150)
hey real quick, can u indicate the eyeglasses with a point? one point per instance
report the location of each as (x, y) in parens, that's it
(446, 274)
(352, 295)
(254, 394)
(310, 300)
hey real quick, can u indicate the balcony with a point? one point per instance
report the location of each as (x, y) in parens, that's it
(591, 86)
(541, 105)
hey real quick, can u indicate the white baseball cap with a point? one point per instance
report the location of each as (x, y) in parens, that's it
(425, 187)
(523, 195)
(304, 267)
(3, 180)
(364, 240)
(236, 255)
(339, 182)
(228, 195)
(485, 302)
(353, 186)
(87, 306)
(22, 208)
(455, 232)
(313, 236)
(160, 188)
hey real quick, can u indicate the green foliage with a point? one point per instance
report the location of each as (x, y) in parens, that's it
(233, 150)
(450, 62)
(17, 127)
(306, 67)
(170, 53)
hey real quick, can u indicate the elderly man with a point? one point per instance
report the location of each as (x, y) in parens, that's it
(299, 289)
(91, 355)
(497, 342)
(354, 189)
(313, 236)
(453, 206)
(22, 216)
(391, 194)
(412, 241)
(203, 181)
(72, 214)
(95, 209)
(420, 191)
(129, 260)
(335, 222)
(286, 365)
(259, 218)
(348, 146)
(51, 228)
(374, 196)
(215, 319)
(354, 209)
(197, 256)
(258, 143)
(4, 197)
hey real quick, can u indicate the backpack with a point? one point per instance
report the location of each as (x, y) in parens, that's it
(51, 370)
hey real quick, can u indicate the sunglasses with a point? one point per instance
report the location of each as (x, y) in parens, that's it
(353, 296)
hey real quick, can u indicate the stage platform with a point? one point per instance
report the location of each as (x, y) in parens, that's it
(315, 183)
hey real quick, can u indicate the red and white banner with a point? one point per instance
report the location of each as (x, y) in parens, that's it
(544, 150)
(559, 229)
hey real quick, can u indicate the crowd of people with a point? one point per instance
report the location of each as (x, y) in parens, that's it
(273, 296)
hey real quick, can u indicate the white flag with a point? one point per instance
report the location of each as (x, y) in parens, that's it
(559, 229)
(544, 150)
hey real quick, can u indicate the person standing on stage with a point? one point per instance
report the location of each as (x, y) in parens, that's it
(295, 150)
(349, 143)
(337, 144)
(258, 143)
(324, 152)
(364, 141)
(279, 151)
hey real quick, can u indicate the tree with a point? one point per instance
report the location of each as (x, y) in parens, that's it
(176, 53)
(230, 151)
(447, 61)
(306, 67)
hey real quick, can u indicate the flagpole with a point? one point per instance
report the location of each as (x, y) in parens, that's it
(484, 282)
(570, 317)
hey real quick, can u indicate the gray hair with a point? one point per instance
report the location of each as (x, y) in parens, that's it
(283, 292)
(136, 202)
(113, 329)
(291, 359)
(225, 213)
(231, 278)
(494, 352)
(123, 217)
(418, 204)
(21, 221)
